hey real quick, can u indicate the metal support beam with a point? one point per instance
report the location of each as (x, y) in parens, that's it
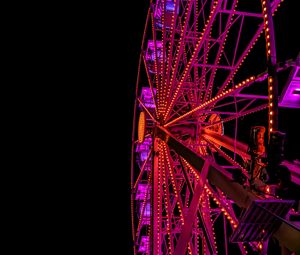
(247, 14)
(189, 220)
(271, 62)
(227, 142)
(209, 241)
(155, 200)
(216, 174)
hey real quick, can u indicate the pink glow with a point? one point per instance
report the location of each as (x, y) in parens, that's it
(144, 244)
(291, 93)
(141, 191)
(150, 53)
(144, 148)
(146, 97)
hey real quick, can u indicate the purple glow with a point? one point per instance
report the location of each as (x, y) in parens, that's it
(144, 155)
(144, 244)
(170, 8)
(150, 53)
(146, 215)
(147, 210)
(291, 93)
(144, 148)
(141, 191)
(146, 97)
(294, 168)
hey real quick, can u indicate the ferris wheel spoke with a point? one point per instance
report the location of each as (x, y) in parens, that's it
(176, 187)
(142, 170)
(190, 63)
(179, 50)
(220, 48)
(227, 210)
(159, 86)
(222, 202)
(171, 43)
(244, 108)
(237, 65)
(203, 73)
(147, 110)
(214, 100)
(220, 105)
(241, 59)
(191, 214)
(169, 210)
(156, 211)
(227, 142)
(228, 158)
(237, 41)
(200, 218)
(208, 225)
(163, 60)
(208, 239)
(240, 114)
(207, 47)
(180, 45)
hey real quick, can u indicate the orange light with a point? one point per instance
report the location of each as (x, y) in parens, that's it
(141, 127)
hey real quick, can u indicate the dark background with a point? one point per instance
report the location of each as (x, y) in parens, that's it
(111, 37)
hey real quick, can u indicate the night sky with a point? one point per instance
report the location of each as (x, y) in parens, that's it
(123, 45)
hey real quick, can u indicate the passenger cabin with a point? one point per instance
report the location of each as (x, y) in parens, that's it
(142, 191)
(144, 148)
(147, 98)
(170, 9)
(144, 244)
(290, 96)
(151, 56)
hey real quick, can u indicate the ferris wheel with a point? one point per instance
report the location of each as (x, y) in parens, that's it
(206, 112)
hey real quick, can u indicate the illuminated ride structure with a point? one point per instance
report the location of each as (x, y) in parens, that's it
(208, 174)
